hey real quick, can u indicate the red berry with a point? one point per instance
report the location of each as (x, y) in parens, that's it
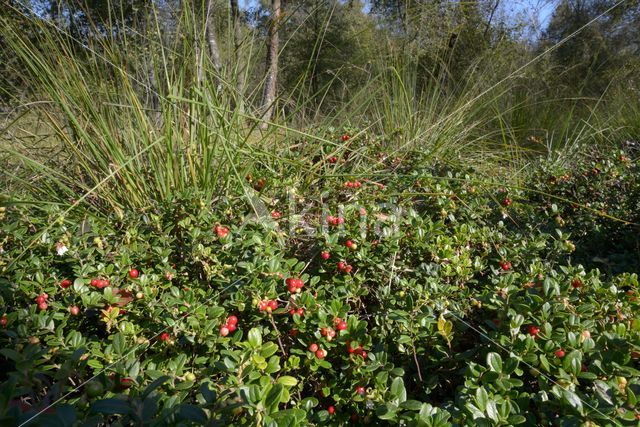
(232, 320)
(65, 283)
(313, 348)
(276, 215)
(559, 353)
(164, 336)
(300, 312)
(104, 283)
(273, 304)
(74, 310)
(576, 283)
(333, 159)
(221, 231)
(224, 331)
(4, 321)
(95, 282)
(262, 306)
(506, 202)
(133, 273)
(342, 326)
(331, 410)
(320, 354)
(341, 266)
(340, 220)
(634, 354)
(345, 137)
(505, 265)
(325, 255)
(232, 327)
(40, 299)
(348, 269)
(533, 330)
(126, 382)
(360, 390)
(42, 306)
(363, 354)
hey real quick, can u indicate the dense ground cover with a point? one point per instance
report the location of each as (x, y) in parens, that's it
(415, 294)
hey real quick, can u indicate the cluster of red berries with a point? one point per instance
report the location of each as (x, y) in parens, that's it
(221, 231)
(344, 267)
(294, 285)
(276, 215)
(357, 351)
(505, 265)
(345, 137)
(268, 305)
(335, 220)
(328, 333)
(319, 352)
(133, 273)
(66, 283)
(506, 202)
(333, 160)
(41, 300)
(299, 311)
(351, 245)
(353, 184)
(165, 337)
(100, 283)
(230, 326)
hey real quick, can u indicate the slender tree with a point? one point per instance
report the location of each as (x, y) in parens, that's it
(269, 95)
(237, 55)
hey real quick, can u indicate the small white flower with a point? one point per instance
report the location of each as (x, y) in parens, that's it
(61, 249)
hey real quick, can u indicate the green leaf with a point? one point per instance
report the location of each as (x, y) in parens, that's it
(111, 407)
(494, 361)
(411, 405)
(272, 399)
(482, 397)
(255, 338)
(492, 411)
(573, 399)
(386, 412)
(192, 413)
(398, 391)
(287, 381)
(154, 384)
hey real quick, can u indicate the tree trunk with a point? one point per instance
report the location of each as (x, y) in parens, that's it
(214, 51)
(269, 95)
(237, 43)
